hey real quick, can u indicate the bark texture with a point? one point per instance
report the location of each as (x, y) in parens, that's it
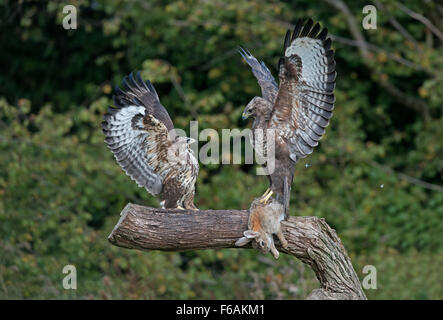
(310, 239)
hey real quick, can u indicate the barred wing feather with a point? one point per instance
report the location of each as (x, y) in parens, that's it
(136, 136)
(305, 99)
(264, 77)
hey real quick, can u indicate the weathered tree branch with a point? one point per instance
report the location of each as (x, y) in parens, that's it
(310, 239)
(375, 48)
(408, 101)
(418, 182)
(397, 25)
(422, 19)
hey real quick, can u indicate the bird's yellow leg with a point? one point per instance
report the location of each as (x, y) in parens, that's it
(266, 193)
(265, 199)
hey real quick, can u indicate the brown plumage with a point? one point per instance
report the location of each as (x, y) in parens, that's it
(299, 109)
(142, 138)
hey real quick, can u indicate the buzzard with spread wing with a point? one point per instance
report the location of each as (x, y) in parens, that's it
(142, 138)
(299, 109)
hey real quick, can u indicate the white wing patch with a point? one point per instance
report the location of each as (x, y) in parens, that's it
(128, 141)
(308, 75)
(314, 61)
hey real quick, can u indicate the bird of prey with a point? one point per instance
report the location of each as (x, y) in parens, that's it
(299, 109)
(141, 135)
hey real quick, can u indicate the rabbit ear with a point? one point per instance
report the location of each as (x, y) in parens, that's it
(242, 241)
(251, 234)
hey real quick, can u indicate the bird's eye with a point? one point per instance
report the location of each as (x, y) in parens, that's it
(261, 243)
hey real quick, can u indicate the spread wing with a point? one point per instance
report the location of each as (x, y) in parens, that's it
(305, 98)
(136, 92)
(269, 87)
(137, 133)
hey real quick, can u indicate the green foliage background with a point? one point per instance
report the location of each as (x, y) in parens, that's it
(61, 190)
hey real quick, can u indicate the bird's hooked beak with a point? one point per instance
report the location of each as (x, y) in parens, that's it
(244, 115)
(190, 140)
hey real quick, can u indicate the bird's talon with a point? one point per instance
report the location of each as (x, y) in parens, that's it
(266, 198)
(266, 193)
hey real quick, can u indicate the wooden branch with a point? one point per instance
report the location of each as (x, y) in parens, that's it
(375, 48)
(422, 19)
(418, 182)
(310, 239)
(397, 25)
(408, 101)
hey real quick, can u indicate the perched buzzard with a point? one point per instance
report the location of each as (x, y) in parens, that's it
(298, 110)
(142, 138)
